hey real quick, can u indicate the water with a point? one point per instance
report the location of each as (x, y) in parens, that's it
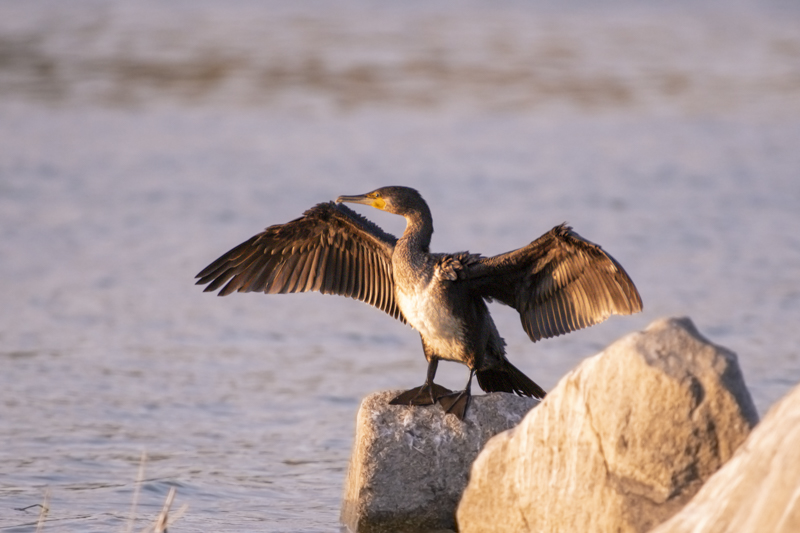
(139, 143)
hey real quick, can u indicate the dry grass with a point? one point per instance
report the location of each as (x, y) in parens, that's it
(163, 519)
(160, 525)
(43, 511)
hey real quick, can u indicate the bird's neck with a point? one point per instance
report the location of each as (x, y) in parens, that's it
(419, 229)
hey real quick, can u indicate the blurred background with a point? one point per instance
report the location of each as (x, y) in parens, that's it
(140, 141)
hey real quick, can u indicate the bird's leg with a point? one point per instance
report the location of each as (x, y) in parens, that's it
(427, 394)
(456, 403)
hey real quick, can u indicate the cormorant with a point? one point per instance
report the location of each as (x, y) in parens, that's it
(558, 283)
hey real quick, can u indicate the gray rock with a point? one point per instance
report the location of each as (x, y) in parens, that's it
(621, 444)
(410, 465)
(759, 488)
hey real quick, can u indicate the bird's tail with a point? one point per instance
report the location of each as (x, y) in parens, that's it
(507, 378)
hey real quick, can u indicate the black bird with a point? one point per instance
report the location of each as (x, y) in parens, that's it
(558, 283)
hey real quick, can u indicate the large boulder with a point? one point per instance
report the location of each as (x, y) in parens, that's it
(759, 488)
(410, 465)
(621, 444)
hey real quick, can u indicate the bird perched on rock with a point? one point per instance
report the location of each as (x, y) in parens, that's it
(558, 283)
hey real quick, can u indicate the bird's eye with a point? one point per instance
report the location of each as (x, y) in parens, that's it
(377, 195)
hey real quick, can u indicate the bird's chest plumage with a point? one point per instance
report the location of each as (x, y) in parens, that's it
(423, 300)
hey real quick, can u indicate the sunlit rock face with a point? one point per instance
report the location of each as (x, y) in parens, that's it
(410, 464)
(759, 488)
(621, 444)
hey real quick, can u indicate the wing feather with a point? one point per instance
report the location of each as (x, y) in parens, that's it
(365, 279)
(558, 283)
(334, 275)
(373, 281)
(321, 269)
(330, 249)
(300, 270)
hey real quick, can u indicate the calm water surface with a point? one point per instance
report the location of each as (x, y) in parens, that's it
(138, 144)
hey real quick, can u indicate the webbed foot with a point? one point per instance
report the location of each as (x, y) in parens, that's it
(456, 403)
(427, 394)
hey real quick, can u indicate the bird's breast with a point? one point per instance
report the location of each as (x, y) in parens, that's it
(425, 307)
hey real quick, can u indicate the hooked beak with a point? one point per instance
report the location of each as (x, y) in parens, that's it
(371, 199)
(358, 199)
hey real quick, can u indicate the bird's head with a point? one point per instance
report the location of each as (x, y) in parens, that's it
(396, 199)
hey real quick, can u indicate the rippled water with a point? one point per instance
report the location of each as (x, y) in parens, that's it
(139, 143)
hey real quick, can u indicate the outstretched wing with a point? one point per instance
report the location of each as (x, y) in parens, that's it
(330, 249)
(558, 283)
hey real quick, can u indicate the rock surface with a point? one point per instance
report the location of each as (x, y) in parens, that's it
(621, 444)
(759, 488)
(410, 465)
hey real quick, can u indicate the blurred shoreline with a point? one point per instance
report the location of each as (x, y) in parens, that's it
(317, 58)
